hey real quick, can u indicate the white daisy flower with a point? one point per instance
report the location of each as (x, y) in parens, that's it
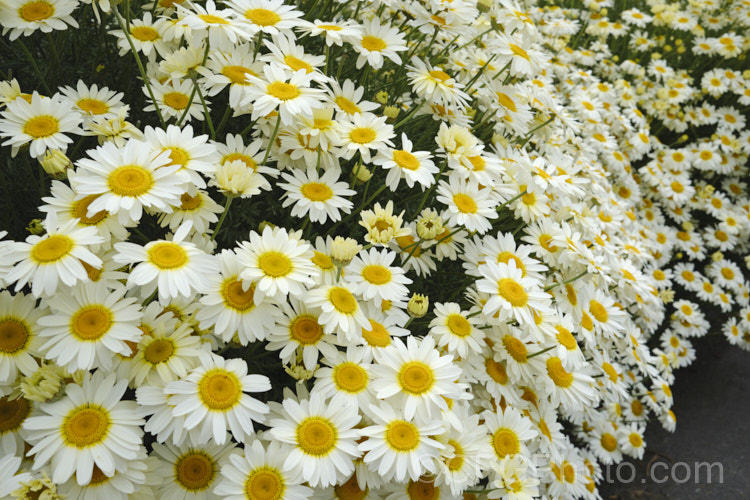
(319, 197)
(363, 132)
(277, 263)
(164, 355)
(415, 377)
(267, 16)
(127, 180)
(260, 474)
(19, 335)
(23, 17)
(298, 329)
(335, 32)
(40, 122)
(468, 204)
(341, 312)
(378, 42)
(93, 101)
(174, 268)
(281, 89)
(193, 153)
(512, 296)
(346, 377)
(90, 427)
(190, 471)
(456, 330)
(87, 327)
(320, 439)
(147, 35)
(229, 306)
(412, 166)
(57, 256)
(372, 275)
(10, 477)
(509, 432)
(212, 397)
(398, 448)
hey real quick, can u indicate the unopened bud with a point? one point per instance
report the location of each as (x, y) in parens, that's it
(343, 250)
(666, 296)
(382, 97)
(717, 256)
(418, 305)
(429, 225)
(35, 227)
(56, 164)
(391, 112)
(484, 5)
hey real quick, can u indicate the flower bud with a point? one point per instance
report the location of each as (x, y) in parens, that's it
(391, 112)
(56, 164)
(418, 305)
(343, 250)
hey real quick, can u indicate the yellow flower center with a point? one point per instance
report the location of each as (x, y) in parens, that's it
(219, 389)
(376, 274)
(265, 483)
(402, 435)
(362, 135)
(51, 249)
(195, 471)
(236, 297)
(377, 336)
(599, 311)
(275, 264)
(167, 255)
(505, 442)
(416, 377)
(90, 323)
(505, 257)
(610, 371)
(506, 101)
(86, 426)
(130, 180)
(558, 374)
(510, 290)
(458, 325)
(322, 260)
(316, 436)
(178, 156)
(347, 105)
(262, 17)
(423, 489)
(609, 442)
(329, 27)
(237, 74)
(12, 413)
(41, 126)
(373, 43)
(496, 371)
(343, 300)
(92, 106)
(190, 203)
(248, 161)
(14, 335)
(159, 351)
(442, 76)
(465, 203)
(283, 91)
(176, 100)
(515, 348)
(144, 33)
(636, 441)
(518, 51)
(297, 64)
(350, 490)
(566, 338)
(477, 163)
(36, 11)
(305, 329)
(405, 159)
(211, 19)
(350, 377)
(457, 461)
(316, 191)
(80, 211)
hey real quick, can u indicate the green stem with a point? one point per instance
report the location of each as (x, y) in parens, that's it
(419, 242)
(540, 352)
(205, 108)
(546, 289)
(34, 65)
(432, 188)
(273, 138)
(227, 204)
(146, 80)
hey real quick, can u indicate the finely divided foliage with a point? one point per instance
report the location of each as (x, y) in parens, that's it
(360, 250)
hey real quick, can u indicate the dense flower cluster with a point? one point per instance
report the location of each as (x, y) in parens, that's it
(480, 238)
